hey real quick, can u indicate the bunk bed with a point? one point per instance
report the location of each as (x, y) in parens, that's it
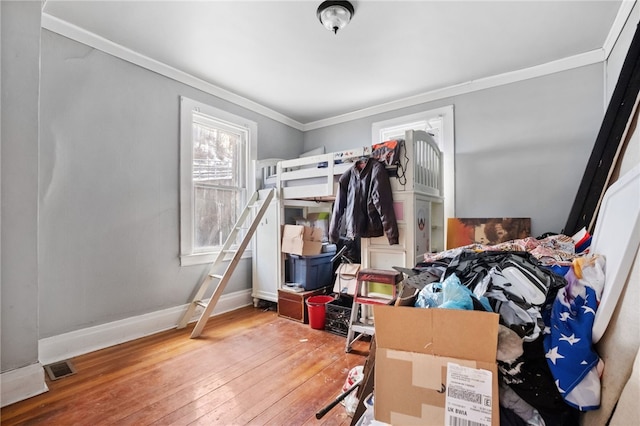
(309, 184)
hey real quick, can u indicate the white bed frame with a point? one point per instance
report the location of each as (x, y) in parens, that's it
(310, 183)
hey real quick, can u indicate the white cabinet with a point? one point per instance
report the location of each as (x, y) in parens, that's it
(267, 259)
(421, 229)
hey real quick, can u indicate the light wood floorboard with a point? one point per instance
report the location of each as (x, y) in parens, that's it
(248, 367)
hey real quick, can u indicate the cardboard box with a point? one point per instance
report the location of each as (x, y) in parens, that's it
(321, 221)
(301, 240)
(435, 366)
(316, 220)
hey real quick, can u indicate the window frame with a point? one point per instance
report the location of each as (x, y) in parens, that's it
(190, 111)
(443, 117)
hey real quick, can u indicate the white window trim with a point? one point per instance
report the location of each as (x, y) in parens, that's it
(445, 114)
(187, 108)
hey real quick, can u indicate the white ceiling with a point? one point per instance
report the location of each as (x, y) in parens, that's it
(277, 54)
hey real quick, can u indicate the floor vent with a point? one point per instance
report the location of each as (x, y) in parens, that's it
(61, 369)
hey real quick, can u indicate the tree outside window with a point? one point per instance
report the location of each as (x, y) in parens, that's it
(217, 194)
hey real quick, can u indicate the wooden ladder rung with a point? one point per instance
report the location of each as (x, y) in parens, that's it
(221, 258)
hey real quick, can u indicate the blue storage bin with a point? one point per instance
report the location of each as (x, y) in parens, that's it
(311, 272)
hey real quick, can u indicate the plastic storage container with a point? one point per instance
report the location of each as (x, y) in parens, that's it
(311, 272)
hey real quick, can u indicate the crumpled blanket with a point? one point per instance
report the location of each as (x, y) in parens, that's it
(553, 250)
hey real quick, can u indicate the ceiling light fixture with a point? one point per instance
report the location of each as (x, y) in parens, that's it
(335, 15)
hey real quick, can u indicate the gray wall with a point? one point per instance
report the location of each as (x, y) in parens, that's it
(520, 148)
(20, 37)
(109, 188)
(107, 229)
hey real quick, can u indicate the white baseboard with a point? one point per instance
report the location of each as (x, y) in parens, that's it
(22, 383)
(69, 345)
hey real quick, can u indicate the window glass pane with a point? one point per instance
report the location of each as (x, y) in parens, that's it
(215, 156)
(215, 215)
(217, 196)
(397, 131)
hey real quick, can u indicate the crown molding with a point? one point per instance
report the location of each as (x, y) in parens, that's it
(588, 58)
(80, 35)
(618, 25)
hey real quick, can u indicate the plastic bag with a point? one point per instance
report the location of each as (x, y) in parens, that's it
(455, 295)
(430, 296)
(449, 294)
(351, 401)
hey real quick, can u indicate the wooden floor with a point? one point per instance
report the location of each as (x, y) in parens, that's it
(249, 367)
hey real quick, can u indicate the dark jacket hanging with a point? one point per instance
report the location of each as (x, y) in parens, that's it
(365, 203)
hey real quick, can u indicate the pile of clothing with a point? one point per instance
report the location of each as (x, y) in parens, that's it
(546, 293)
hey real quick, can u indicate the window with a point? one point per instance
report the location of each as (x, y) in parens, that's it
(438, 122)
(216, 150)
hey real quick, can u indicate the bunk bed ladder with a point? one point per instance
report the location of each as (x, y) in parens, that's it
(223, 279)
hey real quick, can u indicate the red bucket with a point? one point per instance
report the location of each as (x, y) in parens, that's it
(316, 306)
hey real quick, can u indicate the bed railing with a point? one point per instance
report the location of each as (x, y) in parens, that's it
(315, 177)
(427, 163)
(310, 177)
